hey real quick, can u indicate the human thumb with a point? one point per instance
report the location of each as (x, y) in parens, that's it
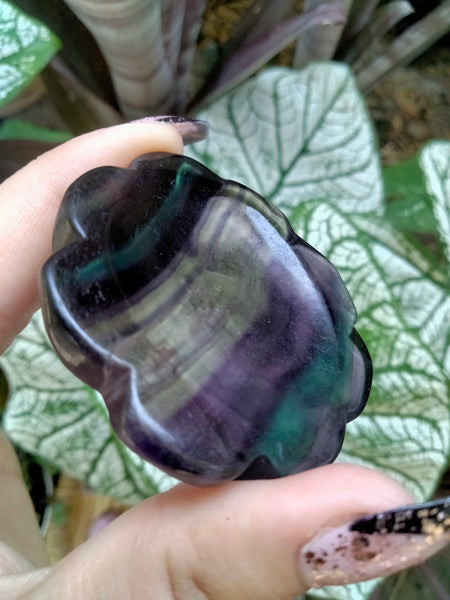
(258, 540)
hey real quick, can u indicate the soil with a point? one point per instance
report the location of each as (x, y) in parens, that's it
(412, 105)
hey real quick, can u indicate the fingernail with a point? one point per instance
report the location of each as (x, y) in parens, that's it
(376, 545)
(191, 130)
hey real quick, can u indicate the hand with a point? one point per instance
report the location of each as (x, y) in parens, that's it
(256, 540)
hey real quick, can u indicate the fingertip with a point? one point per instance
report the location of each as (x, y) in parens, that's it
(241, 539)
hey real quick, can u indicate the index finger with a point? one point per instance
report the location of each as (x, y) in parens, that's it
(29, 202)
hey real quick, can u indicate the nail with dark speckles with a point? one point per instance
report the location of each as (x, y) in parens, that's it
(191, 130)
(376, 545)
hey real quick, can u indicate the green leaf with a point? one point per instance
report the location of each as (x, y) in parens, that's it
(51, 414)
(26, 46)
(434, 159)
(410, 206)
(14, 129)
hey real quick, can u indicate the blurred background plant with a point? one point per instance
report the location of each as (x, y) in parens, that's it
(70, 67)
(130, 59)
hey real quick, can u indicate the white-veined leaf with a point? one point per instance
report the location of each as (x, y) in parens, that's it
(400, 295)
(53, 415)
(296, 136)
(25, 48)
(420, 189)
(405, 429)
(303, 140)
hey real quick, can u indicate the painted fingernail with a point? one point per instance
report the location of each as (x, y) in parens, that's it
(376, 545)
(191, 130)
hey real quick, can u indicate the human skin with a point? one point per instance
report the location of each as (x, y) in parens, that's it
(240, 540)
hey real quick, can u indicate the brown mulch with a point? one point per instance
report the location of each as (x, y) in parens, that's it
(409, 107)
(79, 512)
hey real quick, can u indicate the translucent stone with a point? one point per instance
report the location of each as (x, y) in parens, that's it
(222, 343)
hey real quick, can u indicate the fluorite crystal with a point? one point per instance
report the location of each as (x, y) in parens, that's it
(222, 343)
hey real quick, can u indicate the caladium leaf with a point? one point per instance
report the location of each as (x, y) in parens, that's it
(26, 46)
(401, 432)
(356, 591)
(434, 160)
(52, 415)
(419, 193)
(297, 136)
(79, 49)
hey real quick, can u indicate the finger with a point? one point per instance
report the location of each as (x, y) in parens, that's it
(29, 201)
(15, 585)
(18, 526)
(241, 540)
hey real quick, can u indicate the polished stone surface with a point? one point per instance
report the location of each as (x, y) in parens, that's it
(222, 343)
